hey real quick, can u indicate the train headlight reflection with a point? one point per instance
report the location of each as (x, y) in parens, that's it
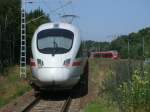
(40, 63)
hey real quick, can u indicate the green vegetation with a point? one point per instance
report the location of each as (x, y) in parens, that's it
(132, 94)
(10, 31)
(101, 104)
(11, 86)
(135, 94)
(122, 86)
(135, 41)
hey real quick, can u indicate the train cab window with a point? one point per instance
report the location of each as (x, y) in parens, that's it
(54, 41)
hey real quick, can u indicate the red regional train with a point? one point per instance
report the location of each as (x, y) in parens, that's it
(106, 54)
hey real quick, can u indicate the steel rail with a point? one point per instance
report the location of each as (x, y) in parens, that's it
(66, 105)
(31, 105)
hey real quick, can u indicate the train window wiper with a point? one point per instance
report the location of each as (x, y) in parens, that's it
(55, 47)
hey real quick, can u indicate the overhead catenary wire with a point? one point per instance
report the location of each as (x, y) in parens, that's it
(49, 9)
(53, 11)
(63, 10)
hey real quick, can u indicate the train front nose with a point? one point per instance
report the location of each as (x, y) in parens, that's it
(58, 76)
(52, 74)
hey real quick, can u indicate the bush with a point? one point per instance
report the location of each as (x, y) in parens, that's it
(135, 94)
(132, 95)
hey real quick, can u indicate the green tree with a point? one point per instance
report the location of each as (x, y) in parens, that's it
(135, 44)
(9, 31)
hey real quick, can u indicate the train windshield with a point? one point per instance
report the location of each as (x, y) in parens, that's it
(55, 41)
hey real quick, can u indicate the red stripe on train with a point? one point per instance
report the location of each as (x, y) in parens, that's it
(32, 63)
(76, 63)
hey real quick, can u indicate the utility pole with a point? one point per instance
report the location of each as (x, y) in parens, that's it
(143, 57)
(129, 61)
(23, 41)
(99, 46)
(143, 47)
(128, 48)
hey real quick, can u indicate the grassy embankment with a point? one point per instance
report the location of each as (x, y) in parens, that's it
(11, 86)
(122, 86)
(103, 103)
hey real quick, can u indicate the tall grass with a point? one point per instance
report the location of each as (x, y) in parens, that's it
(12, 86)
(98, 70)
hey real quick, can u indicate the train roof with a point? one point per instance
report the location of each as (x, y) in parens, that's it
(61, 25)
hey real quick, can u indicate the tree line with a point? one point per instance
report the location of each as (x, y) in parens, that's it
(10, 19)
(133, 45)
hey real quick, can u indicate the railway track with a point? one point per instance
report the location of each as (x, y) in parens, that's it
(41, 105)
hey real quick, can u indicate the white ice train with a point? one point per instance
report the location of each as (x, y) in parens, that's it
(58, 62)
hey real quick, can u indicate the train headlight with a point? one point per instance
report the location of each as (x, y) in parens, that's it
(40, 63)
(67, 62)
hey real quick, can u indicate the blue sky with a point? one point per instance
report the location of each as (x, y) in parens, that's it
(101, 20)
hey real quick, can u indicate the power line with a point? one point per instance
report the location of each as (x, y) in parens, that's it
(35, 19)
(63, 10)
(62, 6)
(49, 8)
(53, 11)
